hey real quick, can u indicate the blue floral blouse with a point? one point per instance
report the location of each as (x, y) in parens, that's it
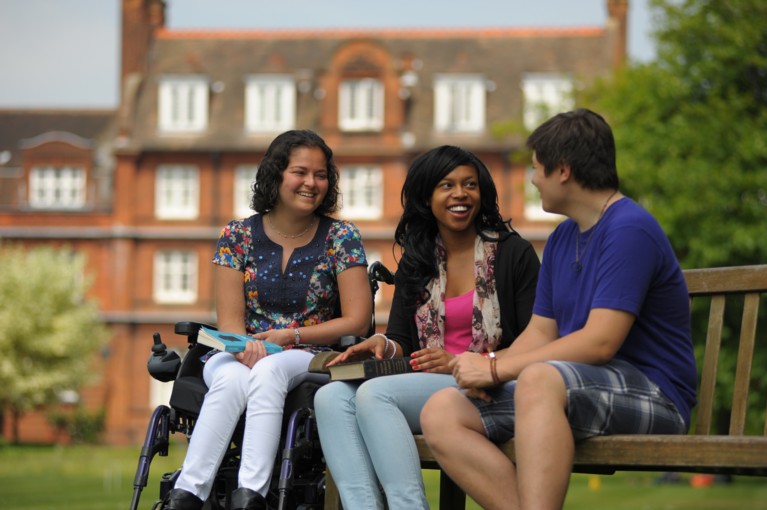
(307, 292)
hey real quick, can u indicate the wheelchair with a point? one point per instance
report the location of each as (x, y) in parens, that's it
(298, 478)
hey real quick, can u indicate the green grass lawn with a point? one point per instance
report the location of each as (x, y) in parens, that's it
(101, 478)
(641, 491)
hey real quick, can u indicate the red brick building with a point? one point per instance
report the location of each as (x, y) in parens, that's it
(145, 189)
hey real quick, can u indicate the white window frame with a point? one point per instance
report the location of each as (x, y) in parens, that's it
(361, 105)
(57, 187)
(175, 277)
(177, 192)
(270, 103)
(362, 191)
(533, 204)
(183, 104)
(244, 177)
(459, 103)
(545, 95)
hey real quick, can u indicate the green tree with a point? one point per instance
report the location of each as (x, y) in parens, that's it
(49, 330)
(691, 129)
(691, 134)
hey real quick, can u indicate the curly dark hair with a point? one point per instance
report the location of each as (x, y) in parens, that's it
(266, 188)
(417, 230)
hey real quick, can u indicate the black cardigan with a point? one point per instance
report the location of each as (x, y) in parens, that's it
(516, 276)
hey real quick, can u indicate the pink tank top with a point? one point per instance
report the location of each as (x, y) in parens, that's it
(458, 315)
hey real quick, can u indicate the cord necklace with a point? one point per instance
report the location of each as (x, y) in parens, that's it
(576, 264)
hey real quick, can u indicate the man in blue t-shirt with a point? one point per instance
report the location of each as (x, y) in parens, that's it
(607, 351)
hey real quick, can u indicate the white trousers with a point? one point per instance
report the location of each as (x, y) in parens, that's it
(233, 388)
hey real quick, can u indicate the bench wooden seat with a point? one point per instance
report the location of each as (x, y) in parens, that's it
(702, 450)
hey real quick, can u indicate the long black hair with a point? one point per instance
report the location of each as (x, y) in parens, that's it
(266, 189)
(417, 230)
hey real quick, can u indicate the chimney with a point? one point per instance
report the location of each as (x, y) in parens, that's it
(617, 27)
(140, 20)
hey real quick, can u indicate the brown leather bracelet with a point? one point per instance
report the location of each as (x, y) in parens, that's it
(493, 369)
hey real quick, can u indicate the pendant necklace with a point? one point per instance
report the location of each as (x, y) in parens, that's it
(576, 265)
(288, 236)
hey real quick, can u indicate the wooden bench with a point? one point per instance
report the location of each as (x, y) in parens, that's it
(703, 450)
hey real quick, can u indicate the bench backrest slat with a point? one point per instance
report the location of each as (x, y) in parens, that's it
(710, 365)
(745, 359)
(726, 280)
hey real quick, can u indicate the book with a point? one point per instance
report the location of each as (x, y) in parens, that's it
(319, 362)
(230, 342)
(369, 368)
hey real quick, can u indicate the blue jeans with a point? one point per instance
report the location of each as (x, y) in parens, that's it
(366, 431)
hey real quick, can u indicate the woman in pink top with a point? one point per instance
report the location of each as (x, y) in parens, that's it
(466, 282)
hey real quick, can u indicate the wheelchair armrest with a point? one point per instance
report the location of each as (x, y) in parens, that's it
(190, 329)
(347, 341)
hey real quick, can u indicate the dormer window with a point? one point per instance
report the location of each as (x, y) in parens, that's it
(459, 103)
(545, 95)
(361, 105)
(183, 104)
(57, 187)
(270, 103)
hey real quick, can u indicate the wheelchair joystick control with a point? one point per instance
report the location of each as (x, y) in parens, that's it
(163, 365)
(158, 348)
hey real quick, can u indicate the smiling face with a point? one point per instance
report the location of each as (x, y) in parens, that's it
(304, 181)
(455, 201)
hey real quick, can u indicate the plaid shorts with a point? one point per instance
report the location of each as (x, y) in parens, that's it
(615, 398)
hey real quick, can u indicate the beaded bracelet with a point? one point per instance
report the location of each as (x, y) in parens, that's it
(393, 346)
(297, 338)
(386, 345)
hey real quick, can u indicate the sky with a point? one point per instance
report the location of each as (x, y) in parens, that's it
(65, 53)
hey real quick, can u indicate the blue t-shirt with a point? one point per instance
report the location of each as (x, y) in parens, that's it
(628, 265)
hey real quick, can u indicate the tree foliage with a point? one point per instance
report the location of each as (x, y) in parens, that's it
(691, 134)
(49, 330)
(691, 129)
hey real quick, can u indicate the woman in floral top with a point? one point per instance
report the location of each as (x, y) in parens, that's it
(466, 282)
(290, 275)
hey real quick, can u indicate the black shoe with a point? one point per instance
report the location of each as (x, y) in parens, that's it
(179, 499)
(247, 499)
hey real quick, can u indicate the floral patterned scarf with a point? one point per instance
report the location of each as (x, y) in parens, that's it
(486, 317)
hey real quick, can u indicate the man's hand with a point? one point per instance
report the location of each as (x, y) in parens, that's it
(472, 370)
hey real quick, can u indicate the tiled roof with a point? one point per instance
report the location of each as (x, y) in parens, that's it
(18, 126)
(393, 33)
(225, 58)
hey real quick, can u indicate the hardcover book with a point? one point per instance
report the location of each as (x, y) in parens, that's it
(230, 342)
(319, 362)
(369, 368)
